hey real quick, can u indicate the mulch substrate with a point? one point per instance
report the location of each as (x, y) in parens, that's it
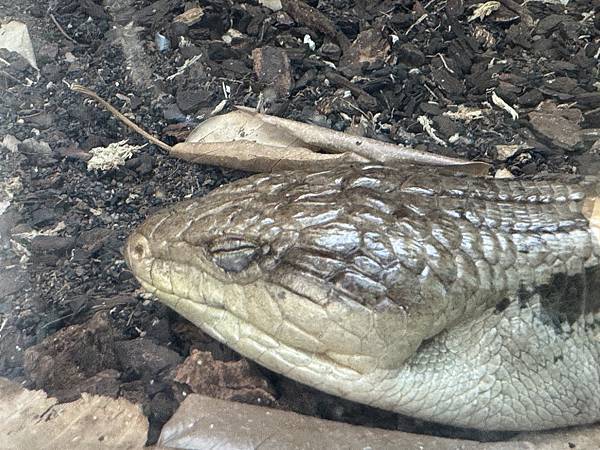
(425, 74)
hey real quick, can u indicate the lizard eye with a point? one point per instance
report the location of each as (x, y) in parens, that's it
(233, 254)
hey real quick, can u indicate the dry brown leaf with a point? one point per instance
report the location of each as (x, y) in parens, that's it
(30, 419)
(247, 140)
(255, 157)
(312, 136)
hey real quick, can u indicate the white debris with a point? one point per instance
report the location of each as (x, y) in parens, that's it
(183, 68)
(21, 251)
(219, 107)
(29, 235)
(465, 113)
(483, 10)
(11, 143)
(230, 35)
(503, 173)
(14, 37)
(11, 185)
(505, 151)
(308, 41)
(426, 124)
(4, 204)
(115, 155)
(191, 16)
(70, 57)
(484, 37)
(505, 106)
(162, 42)
(8, 188)
(273, 5)
(454, 138)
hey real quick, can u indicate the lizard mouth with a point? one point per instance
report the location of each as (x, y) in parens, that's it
(325, 371)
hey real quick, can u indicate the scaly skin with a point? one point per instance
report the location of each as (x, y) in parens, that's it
(467, 301)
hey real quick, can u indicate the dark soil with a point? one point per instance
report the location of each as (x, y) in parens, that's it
(72, 318)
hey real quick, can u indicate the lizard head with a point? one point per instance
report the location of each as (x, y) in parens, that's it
(395, 288)
(294, 270)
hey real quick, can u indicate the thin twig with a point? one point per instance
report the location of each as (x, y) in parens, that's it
(445, 63)
(52, 322)
(121, 117)
(8, 75)
(417, 22)
(61, 29)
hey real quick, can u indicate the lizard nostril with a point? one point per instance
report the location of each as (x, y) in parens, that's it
(138, 250)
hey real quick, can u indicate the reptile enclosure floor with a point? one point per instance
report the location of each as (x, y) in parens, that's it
(73, 320)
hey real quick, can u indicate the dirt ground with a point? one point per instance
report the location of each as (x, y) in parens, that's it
(72, 318)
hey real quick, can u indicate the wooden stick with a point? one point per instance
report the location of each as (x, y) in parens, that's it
(114, 111)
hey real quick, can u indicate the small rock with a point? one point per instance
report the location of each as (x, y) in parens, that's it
(592, 118)
(73, 151)
(231, 380)
(146, 358)
(38, 153)
(173, 114)
(588, 100)
(142, 164)
(71, 355)
(189, 100)
(331, 51)
(411, 55)
(560, 131)
(368, 49)
(93, 141)
(55, 245)
(52, 71)
(11, 143)
(562, 84)
(272, 68)
(47, 53)
(548, 23)
(530, 98)
(43, 216)
(446, 126)
(43, 120)
(273, 5)
(447, 82)
(432, 109)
